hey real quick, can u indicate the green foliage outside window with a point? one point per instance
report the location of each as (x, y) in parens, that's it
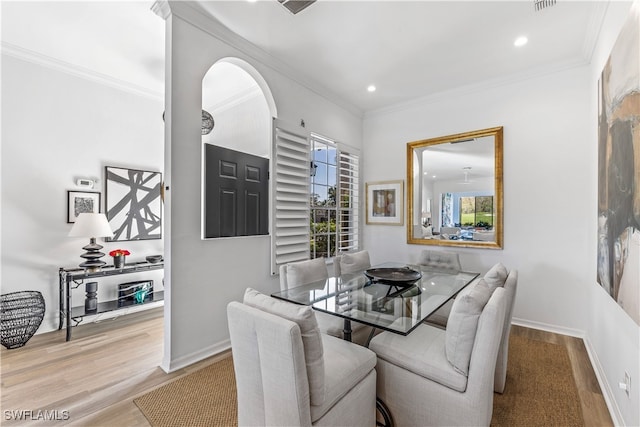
(323, 225)
(476, 211)
(323, 238)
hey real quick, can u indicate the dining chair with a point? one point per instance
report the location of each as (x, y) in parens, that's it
(510, 287)
(440, 260)
(299, 273)
(351, 262)
(436, 377)
(497, 276)
(288, 373)
(305, 272)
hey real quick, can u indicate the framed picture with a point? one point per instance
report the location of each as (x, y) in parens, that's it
(80, 202)
(385, 202)
(133, 203)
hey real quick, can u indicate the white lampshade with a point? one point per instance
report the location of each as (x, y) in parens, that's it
(91, 225)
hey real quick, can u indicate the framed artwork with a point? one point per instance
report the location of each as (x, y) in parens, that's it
(80, 202)
(133, 203)
(385, 202)
(619, 170)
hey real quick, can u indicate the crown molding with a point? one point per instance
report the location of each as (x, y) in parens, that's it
(78, 71)
(593, 29)
(161, 8)
(478, 87)
(197, 17)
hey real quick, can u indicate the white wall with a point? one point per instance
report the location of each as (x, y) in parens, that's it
(550, 186)
(204, 276)
(544, 129)
(58, 126)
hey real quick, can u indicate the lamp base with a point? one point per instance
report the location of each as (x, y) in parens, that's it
(92, 256)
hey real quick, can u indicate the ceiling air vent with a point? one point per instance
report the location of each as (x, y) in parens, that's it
(295, 6)
(541, 4)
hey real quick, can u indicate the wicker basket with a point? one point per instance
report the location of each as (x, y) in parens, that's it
(21, 315)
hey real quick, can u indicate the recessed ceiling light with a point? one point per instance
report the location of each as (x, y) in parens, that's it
(520, 41)
(371, 88)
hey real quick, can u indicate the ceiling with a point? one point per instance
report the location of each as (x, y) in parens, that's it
(407, 49)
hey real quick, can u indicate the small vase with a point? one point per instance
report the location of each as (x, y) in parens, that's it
(118, 261)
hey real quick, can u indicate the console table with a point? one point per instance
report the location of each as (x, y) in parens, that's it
(78, 275)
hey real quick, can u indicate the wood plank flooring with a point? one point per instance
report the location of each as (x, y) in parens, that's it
(96, 376)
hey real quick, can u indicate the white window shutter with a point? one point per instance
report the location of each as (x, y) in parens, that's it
(290, 229)
(348, 200)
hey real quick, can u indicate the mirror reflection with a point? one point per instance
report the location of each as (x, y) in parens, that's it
(455, 190)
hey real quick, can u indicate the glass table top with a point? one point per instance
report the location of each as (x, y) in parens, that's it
(396, 308)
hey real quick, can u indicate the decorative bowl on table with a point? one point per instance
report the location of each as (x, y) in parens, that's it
(154, 259)
(396, 276)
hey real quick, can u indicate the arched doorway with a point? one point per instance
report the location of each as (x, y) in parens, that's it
(236, 151)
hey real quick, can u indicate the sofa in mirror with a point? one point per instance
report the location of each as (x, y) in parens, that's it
(454, 190)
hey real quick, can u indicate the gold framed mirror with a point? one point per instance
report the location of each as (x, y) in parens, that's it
(454, 190)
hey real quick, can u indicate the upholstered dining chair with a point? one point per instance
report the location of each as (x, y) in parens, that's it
(299, 273)
(440, 260)
(497, 276)
(510, 286)
(436, 377)
(304, 272)
(351, 262)
(288, 373)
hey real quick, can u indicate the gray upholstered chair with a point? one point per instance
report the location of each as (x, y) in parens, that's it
(435, 377)
(440, 260)
(497, 276)
(510, 287)
(289, 374)
(304, 272)
(351, 262)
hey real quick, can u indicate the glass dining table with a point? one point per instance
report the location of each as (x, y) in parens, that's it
(393, 296)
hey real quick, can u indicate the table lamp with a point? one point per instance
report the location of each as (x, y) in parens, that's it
(91, 225)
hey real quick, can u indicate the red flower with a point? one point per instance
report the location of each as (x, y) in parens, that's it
(119, 252)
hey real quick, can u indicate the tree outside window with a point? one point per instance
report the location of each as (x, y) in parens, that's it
(476, 211)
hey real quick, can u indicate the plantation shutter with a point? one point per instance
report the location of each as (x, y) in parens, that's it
(349, 200)
(290, 231)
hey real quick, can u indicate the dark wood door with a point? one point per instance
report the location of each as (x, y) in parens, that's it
(236, 193)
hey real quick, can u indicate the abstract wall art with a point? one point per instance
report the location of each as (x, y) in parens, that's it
(618, 265)
(134, 205)
(385, 202)
(80, 202)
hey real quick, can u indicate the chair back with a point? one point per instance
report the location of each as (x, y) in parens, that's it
(510, 287)
(351, 262)
(483, 356)
(269, 365)
(302, 272)
(440, 260)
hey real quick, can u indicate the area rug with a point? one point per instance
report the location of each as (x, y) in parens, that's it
(206, 397)
(540, 388)
(540, 391)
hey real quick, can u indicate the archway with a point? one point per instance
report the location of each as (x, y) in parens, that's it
(242, 107)
(236, 150)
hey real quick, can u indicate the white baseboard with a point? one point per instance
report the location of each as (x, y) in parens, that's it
(549, 328)
(612, 405)
(189, 359)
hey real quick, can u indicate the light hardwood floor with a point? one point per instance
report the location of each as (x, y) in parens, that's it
(96, 375)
